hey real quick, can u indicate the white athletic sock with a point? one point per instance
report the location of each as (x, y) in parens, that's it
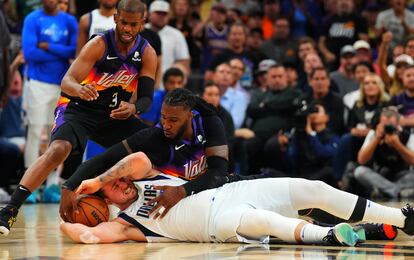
(311, 233)
(377, 213)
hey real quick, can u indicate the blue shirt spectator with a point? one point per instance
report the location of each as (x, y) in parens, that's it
(49, 41)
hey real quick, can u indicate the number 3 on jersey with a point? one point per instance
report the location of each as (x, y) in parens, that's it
(114, 102)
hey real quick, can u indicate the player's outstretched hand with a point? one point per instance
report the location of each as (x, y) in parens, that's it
(88, 92)
(68, 204)
(170, 195)
(89, 186)
(124, 111)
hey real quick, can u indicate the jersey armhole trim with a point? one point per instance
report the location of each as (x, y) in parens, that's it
(138, 225)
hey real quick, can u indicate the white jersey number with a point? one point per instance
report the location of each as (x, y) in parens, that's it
(114, 100)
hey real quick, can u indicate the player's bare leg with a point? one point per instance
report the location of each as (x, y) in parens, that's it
(35, 175)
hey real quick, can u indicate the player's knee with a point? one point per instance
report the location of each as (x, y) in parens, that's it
(316, 187)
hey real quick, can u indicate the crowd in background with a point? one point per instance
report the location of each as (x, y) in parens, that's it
(320, 89)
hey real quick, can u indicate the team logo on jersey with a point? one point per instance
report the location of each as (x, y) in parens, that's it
(149, 194)
(136, 56)
(194, 168)
(119, 78)
(111, 57)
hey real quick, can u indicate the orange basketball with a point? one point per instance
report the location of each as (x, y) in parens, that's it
(92, 211)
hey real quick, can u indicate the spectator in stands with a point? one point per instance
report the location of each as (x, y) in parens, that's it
(211, 94)
(385, 158)
(311, 61)
(344, 76)
(63, 5)
(345, 27)
(232, 100)
(96, 21)
(404, 101)
(311, 148)
(360, 70)
(254, 43)
(398, 20)
(321, 93)
(213, 34)
(173, 44)
(237, 69)
(236, 49)
(260, 75)
(48, 47)
(180, 19)
(306, 45)
(271, 111)
(173, 78)
(292, 74)
(363, 117)
(271, 10)
(280, 47)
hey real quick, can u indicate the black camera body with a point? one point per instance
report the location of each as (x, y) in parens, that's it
(390, 129)
(303, 109)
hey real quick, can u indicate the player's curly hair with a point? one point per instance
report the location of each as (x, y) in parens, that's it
(180, 97)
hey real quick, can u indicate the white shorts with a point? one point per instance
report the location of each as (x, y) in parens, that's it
(232, 200)
(39, 102)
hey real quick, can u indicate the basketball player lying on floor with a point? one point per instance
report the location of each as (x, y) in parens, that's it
(241, 211)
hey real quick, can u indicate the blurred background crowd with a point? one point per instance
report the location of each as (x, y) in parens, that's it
(320, 89)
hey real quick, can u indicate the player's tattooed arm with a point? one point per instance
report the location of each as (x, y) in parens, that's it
(134, 166)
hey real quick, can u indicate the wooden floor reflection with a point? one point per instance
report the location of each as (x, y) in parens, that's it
(36, 236)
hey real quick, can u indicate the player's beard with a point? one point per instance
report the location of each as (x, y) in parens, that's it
(180, 132)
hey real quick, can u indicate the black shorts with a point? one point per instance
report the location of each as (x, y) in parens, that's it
(76, 126)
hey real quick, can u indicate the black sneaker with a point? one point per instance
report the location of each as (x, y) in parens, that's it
(374, 231)
(341, 235)
(408, 212)
(7, 219)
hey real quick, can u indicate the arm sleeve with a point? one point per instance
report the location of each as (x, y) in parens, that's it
(67, 51)
(96, 165)
(145, 94)
(217, 166)
(29, 43)
(215, 133)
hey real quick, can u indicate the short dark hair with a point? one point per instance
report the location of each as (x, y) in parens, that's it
(306, 39)
(209, 83)
(172, 72)
(131, 6)
(180, 97)
(365, 64)
(314, 70)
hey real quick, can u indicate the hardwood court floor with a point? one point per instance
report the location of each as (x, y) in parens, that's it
(36, 236)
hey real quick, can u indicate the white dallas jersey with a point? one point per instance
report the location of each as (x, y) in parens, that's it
(99, 23)
(186, 221)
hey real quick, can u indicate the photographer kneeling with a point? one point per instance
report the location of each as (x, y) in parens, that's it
(310, 148)
(386, 156)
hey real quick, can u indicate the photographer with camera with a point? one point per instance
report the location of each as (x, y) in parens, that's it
(386, 156)
(311, 146)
